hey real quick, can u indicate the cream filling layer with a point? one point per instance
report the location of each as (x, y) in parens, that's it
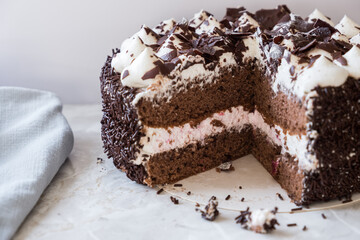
(159, 140)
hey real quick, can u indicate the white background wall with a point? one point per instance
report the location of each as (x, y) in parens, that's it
(60, 45)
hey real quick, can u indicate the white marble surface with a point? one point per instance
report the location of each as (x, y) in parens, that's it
(87, 200)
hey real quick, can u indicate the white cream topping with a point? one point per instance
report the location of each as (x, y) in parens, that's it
(208, 25)
(165, 26)
(283, 78)
(159, 140)
(322, 73)
(340, 37)
(348, 27)
(198, 18)
(170, 43)
(353, 62)
(253, 48)
(146, 36)
(355, 39)
(130, 49)
(132, 75)
(247, 19)
(316, 14)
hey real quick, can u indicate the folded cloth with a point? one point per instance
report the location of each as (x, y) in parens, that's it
(35, 140)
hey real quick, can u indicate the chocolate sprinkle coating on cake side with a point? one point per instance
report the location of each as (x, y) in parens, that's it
(120, 130)
(336, 118)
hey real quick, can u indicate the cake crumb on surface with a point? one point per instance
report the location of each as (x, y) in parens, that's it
(259, 220)
(210, 211)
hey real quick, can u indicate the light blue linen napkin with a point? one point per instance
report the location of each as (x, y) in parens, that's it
(35, 140)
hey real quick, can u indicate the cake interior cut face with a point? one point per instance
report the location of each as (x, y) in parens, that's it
(184, 97)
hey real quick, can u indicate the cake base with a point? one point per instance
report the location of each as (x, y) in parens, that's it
(258, 188)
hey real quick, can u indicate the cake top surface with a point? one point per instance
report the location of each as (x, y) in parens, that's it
(297, 54)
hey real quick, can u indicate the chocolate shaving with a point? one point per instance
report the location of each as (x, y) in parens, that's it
(323, 216)
(296, 209)
(280, 197)
(292, 225)
(160, 191)
(174, 200)
(227, 197)
(178, 185)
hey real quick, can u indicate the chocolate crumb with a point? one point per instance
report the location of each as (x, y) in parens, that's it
(304, 228)
(160, 191)
(225, 167)
(323, 216)
(178, 185)
(240, 187)
(99, 160)
(197, 205)
(174, 200)
(227, 198)
(242, 199)
(281, 197)
(188, 193)
(292, 225)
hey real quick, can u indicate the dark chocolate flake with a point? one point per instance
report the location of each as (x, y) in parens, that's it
(278, 39)
(160, 191)
(151, 73)
(342, 61)
(292, 70)
(227, 197)
(323, 216)
(126, 73)
(178, 185)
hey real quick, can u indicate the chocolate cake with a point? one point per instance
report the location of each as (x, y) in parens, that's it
(185, 97)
